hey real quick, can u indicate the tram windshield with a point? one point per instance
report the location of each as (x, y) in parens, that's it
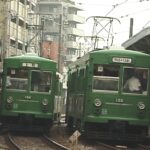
(135, 80)
(105, 78)
(41, 81)
(17, 79)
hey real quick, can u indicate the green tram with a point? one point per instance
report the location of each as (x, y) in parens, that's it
(109, 94)
(31, 92)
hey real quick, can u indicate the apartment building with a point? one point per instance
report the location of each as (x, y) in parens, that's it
(60, 32)
(18, 17)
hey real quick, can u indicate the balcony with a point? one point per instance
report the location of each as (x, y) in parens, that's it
(70, 58)
(13, 5)
(72, 45)
(22, 11)
(76, 7)
(33, 1)
(13, 30)
(22, 34)
(52, 29)
(76, 18)
(75, 31)
(13, 52)
(49, 7)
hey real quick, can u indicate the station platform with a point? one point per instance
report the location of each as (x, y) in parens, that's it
(139, 42)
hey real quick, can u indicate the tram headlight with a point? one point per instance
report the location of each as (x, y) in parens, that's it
(45, 102)
(10, 100)
(97, 102)
(141, 105)
(45, 105)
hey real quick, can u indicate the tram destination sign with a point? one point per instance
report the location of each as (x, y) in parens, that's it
(122, 60)
(34, 65)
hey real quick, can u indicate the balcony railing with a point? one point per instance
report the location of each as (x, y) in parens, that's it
(76, 18)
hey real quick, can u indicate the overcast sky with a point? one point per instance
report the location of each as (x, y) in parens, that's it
(139, 10)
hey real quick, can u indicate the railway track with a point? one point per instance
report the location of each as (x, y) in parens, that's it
(108, 146)
(28, 143)
(58, 140)
(55, 144)
(105, 146)
(13, 143)
(144, 147)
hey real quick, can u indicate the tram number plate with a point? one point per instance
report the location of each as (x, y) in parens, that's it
(119, 100)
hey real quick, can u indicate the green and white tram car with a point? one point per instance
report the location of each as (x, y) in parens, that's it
(29, 92)
(109, 94)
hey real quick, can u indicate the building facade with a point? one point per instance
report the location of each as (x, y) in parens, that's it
(48, 27)
(59, 41)
(15, 21)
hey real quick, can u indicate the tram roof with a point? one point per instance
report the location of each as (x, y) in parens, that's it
(118, 51)
(31, 57)
(106, 52)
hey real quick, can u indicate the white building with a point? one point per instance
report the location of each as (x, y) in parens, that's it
(60, 21)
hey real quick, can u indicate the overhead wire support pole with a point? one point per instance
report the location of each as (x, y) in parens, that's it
(34, 27)
(105, 17)
(104, 28)
(103, 22)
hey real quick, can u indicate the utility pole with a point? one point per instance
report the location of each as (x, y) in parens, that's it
(34, 32)
(131, 28)
(2, 25)
(6, 30)
(60, 46)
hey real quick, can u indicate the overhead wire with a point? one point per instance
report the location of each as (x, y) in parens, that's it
(114, 6)
(127, 15)
(111, 27)
(146, 24)
(137, 12)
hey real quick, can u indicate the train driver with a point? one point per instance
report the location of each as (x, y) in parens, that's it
(133, 84)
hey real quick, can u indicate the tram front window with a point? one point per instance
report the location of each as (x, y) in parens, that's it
(106, 78)
(17, 79)
(40, 81)
(135, 80)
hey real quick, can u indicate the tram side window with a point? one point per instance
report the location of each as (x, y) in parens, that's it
(106, 77)
(135, 80)
(73, 82)
(80, 81)
(17, 79)
(41, 81)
